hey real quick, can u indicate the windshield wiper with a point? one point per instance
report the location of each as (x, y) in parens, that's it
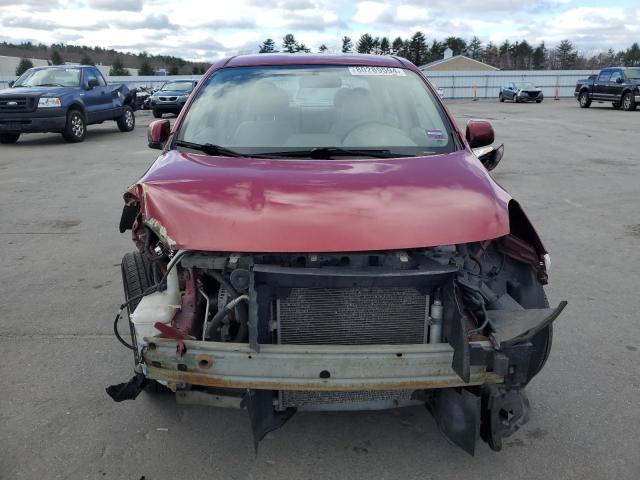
(48, 85)
(328, 152)
(211, 149)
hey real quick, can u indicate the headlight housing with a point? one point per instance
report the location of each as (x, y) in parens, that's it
(183, 97)
(49, 102)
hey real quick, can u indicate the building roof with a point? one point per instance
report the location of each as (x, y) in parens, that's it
(458, 61)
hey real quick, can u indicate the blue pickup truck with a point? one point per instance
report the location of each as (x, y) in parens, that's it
(63, 99)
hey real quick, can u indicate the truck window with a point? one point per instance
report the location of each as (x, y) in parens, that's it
(615, 75)
(604, 76)
(98, 74)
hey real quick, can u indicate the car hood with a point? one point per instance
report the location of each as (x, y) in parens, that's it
(172, 93)
(198, 202)
(21, 91)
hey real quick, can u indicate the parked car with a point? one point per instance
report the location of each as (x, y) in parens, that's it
(520, 92)
(318, 234)
(171, 97)
(619, 85)
(63, 99)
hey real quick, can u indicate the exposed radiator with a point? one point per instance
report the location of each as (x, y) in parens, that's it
(352, 316)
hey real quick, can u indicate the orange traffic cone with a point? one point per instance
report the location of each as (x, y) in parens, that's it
(557, 93)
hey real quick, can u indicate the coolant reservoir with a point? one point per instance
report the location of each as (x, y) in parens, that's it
(156, 307)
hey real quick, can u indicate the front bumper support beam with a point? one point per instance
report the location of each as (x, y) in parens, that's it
(310, 367)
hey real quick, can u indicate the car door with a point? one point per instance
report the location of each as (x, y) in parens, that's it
(601, 86)
(614, 89)
(97, 99)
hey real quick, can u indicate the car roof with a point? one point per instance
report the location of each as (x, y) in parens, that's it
(317, 59)
(181, 80)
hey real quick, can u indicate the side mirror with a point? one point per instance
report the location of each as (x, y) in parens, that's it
(158, 133)
(619, 80)
(92, 83)
(479, 133)
(11, 84)
(489, 156)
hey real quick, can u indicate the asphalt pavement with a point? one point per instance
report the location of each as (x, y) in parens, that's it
(577, 174)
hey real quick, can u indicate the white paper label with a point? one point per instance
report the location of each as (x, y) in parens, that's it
(367, 70)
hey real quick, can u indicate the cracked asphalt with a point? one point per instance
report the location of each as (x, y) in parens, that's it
(575, 171)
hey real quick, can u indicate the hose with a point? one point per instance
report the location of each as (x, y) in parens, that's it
(217, 319)
(115, 330)
(206, 313)
(218, 277)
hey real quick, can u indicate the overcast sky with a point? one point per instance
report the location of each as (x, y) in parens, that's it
(205, 30)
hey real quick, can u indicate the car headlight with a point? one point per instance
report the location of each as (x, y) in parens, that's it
(183, 97)
(46, 102)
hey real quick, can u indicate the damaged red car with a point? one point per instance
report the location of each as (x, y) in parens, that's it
(318, 234)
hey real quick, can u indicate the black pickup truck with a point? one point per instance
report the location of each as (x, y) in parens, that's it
(618, 85)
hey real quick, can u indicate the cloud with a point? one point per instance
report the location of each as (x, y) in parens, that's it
(116, 5)
(150, 22)
(34, 23)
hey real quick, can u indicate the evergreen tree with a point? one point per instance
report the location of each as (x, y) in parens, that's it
(56, 58)
(397, 47)
(490, 55)
(86, 60)
(347, 45)
(539, 57)
(24, 65)
(322, 49)
(289, 43)
(457, 44)
(301, 47)
(117, 68)
(632, 56)
(146, 68)
(365, 44)
(566, 54)
(418, 49)
(268, 46)
(385, 47)
(474, 50)
(173, 70)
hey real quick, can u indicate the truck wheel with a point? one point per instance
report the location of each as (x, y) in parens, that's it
(157, 114)
(127, 121)
(76, 128)
(628, 102)
(137, 277)
(8, 138)
(584, 100)
(501, 98)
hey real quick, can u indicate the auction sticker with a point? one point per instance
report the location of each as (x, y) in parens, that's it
(368, 70)
(436, 135)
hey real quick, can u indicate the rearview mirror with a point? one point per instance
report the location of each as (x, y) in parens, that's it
(158, 133)
(479, 133)
(489, 156)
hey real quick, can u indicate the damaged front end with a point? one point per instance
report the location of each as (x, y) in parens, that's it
(461, 329)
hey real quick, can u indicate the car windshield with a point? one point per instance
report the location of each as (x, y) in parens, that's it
(633, 73)
(300, 108)
(524, 85)
(177, 87)
(49, 77)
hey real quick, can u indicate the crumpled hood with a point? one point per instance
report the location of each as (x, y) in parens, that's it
(207, 203)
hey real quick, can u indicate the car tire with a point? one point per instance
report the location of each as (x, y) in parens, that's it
(538, 101)
(76, 127)
(127, 121)
(137, 277)
(157, 114)
(628, 102)
(501, 98)
(9, 138)
(515, 99)
(584, 100)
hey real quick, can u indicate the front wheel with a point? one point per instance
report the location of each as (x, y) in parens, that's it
(501, 98)
(584, 100)
(628, 102)
(75, 130)
(538, 101)
(127, 121)
(9, 138)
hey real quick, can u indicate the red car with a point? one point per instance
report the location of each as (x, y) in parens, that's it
(318, 234)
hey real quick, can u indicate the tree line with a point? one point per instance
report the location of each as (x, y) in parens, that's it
(518, 55)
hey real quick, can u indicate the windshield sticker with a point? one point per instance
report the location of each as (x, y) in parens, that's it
(436, 135)
(365, 70)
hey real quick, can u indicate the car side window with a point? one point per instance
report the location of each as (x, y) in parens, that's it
(89, 75)
(98, 74)
(615, 76)
(604, 76)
